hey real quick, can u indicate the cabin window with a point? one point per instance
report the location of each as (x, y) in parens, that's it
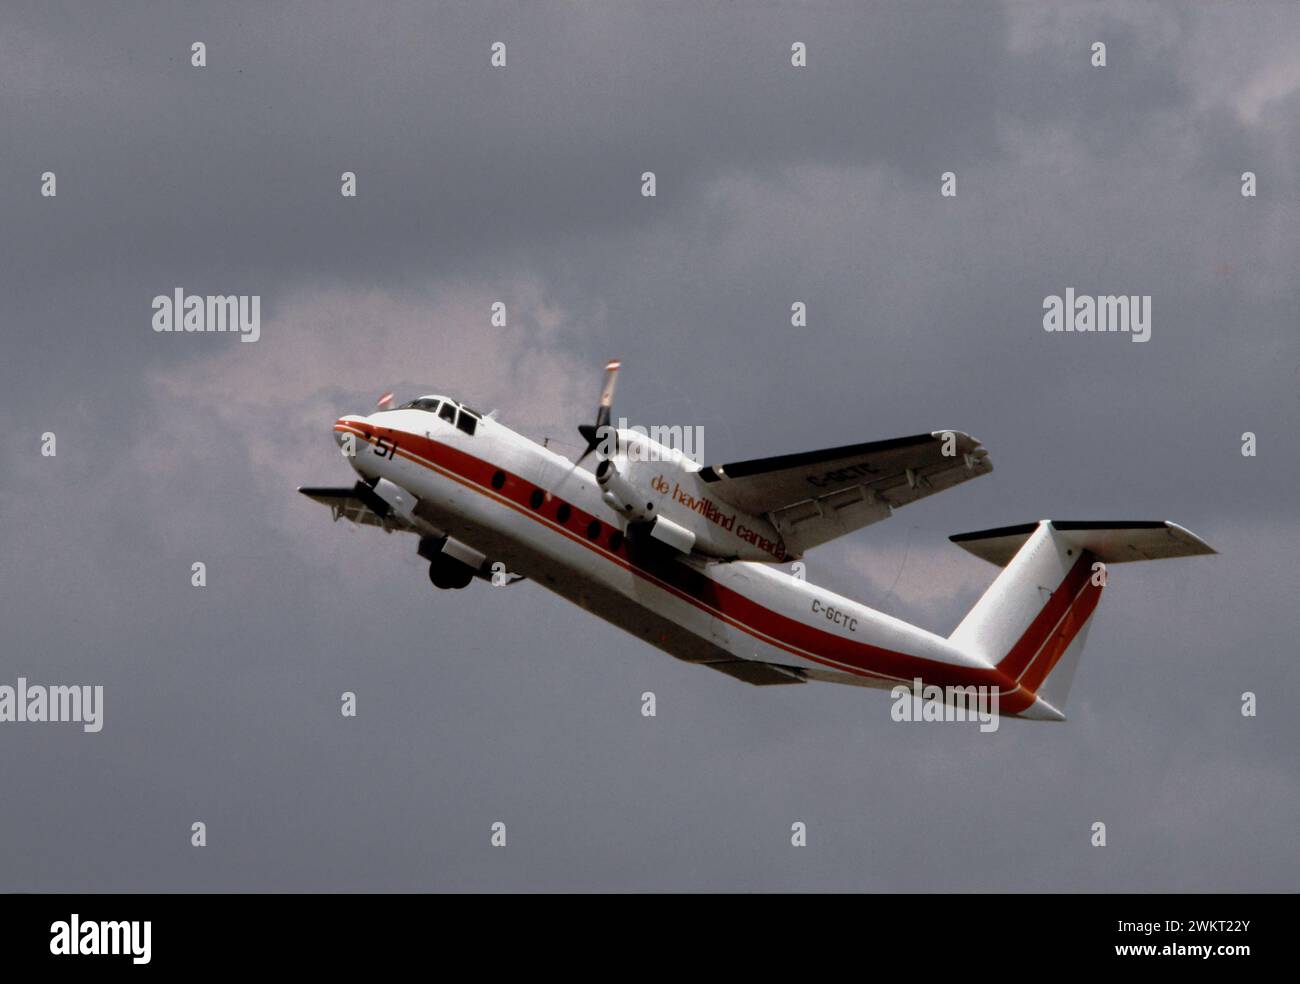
(498, 480)
(563, 513)
(448, 412)
(467, 421)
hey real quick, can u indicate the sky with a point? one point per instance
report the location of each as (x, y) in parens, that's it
(775, 184)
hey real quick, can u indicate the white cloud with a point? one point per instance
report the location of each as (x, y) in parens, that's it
(279, 397)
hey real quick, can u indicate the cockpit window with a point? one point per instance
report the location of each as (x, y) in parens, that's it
(449, 410)
(429, 403)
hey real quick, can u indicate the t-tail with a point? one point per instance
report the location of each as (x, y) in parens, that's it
(1032, 621)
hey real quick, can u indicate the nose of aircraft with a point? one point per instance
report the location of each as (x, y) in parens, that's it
(347, 424)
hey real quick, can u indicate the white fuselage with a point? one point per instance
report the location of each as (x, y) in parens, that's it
(519, 503)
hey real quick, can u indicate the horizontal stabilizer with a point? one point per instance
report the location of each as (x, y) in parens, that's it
(1110, 541)
(1032, 622)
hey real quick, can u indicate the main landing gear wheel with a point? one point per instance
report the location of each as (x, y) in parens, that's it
(448, 572)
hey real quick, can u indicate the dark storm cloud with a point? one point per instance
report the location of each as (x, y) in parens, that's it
(456, 159)
(775, 185)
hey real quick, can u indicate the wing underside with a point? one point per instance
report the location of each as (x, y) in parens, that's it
(359, 504)
(756, 673)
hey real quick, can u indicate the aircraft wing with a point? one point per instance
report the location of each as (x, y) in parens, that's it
(814, 496)
(361, 505)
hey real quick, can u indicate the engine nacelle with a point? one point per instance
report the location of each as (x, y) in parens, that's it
(628, 501)
(622, 496)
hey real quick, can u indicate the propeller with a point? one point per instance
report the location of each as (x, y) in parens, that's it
(596, 433)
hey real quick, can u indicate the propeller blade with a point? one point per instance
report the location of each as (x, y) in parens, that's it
(595, 433)
(607, 391)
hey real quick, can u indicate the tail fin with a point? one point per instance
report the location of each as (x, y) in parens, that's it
(1032, 621)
